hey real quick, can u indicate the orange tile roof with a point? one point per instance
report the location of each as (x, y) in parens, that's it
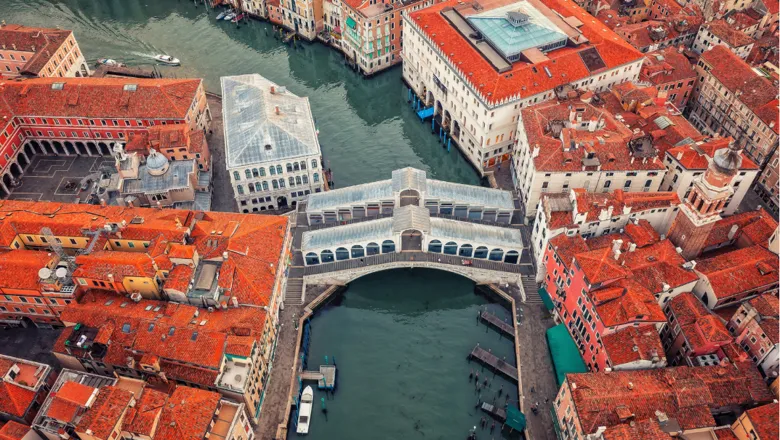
(758, 93)
(633, 344)
(765, 421)
(15, 399)
(179, 278)
(100, 264)
(100, 97)
(593, 203)
(686, 394)
(766, 305)
(13, 431)
(667, 65)
(524, 79)
(599, 266)
(75, 392)
(24, 265)
(728, 33)
(757, 226)
(657, 264)
(141, 419)
(698, 156)
(106, 412)
(176, 250)
(626, 301)
(239, 345)
(69, 401)
(699, 327)
(43, 42)
(647, 429)
(738, 271)
(188, 414)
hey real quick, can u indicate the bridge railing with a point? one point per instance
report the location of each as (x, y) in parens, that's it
(357, 263)
(379, 216)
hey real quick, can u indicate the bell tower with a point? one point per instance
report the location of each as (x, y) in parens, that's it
(707, 199)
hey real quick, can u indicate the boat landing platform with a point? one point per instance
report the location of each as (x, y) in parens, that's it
(325, 377)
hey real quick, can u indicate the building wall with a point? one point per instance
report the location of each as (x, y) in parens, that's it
(767, 185)
(66, 61)
(706, 39)
(566, 413)
(704, 291)
(246, 181)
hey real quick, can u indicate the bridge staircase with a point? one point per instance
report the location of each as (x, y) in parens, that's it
(293, 296)
(531, 290)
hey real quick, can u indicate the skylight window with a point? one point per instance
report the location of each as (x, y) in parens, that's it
(58, 86)
(130, 87)
(125, 328)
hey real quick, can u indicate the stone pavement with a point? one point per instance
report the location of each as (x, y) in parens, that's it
(536, 365)
(221, 190)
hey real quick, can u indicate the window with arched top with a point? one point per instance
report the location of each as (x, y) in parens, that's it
(275, 184)
(262, 171)
(372, 249)
(236, 176)
(278, 169)
(314, 163)
(342, 254)
(305, 179)
(326, 256)
(272, 170)
(512, 257)
(388, 246)
(291, 180)
(357, 251)
(466, 250)
(240, 189)
(289, 168)
(434, 246)
(316, 177)
(265, 186)
(255, 173)
(312, 258)
(303, 164)
(481, 252)
(496, 255)
(451, 248)
(281, 183)
(248, 173)
(297, 180)
(296, 166)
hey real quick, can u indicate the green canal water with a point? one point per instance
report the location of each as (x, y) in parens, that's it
(366, 127)
(401, 339)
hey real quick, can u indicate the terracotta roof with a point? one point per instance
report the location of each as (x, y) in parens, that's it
(162, 137)
(765, 421)
(69, 401)
(686, 394)
(700, 327)
(725, 434)
(766, 305)
(758, 93)
(187, 414)
(757, 226)
(15, 399)
(42, 42)
(100, 264)
(697, 156)
(642, 429)
(626, 301)
(13, 431)
(771, 329)
(600, 266)
(744, 19)
(640, 36)
(106, 412)
(24, 265)
(738, 271)
(179, 278)
(593, 203)
(181, 251)
(633, 344)
(141, 419)
(524, 79)
(728, 33)
(667, 65)
(100, 97)
(239, 346)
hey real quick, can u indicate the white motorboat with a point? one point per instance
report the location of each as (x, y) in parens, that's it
(221, 15)
(107, 62)
(167, 59)
(304, 412)
(230, 16)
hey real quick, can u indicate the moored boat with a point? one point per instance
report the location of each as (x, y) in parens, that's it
(304, 413)
(221, 15)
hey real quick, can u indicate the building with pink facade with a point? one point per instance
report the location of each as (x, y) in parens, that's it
(755, 325)
(693, 336)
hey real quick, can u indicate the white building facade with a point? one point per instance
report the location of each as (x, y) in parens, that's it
(272, 153)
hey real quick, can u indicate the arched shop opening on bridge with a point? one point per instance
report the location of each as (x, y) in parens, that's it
(411, 228)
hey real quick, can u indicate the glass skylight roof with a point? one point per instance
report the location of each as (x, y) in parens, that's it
(514, 28)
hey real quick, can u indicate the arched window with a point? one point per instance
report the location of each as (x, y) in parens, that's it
(297, 180)
(481, 252)
(312, 258)
(316, 177)
(265, 186)
(262, 171)
(305, 179)
(289, 168)
(251, 187)
(271, 170)
(342, 254)
(296, 167)
(281, 183)
(292, 181)
(357, 251)
(240, 189)
(303, 164)
(466, 250)
(434, 246)
(372, 249)
(496, 255)
(326, 256)
(314, 163)
(255, 173)
(388, 246)
(278, 169)
(236, 176)
(451, 248)
(512, 257)
(275, 184)
(248, 173)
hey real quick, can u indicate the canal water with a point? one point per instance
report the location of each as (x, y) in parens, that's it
(401, 339)
(367, 129)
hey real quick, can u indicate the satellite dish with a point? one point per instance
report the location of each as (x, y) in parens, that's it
(61, 272)
(44, 273)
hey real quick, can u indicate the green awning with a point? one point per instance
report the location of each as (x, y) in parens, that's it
(515, 419)
(351, 23)
(565, 355)
(546, 298)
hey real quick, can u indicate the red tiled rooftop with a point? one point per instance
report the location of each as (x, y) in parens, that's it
(647, 429)
(728, 33)
(102, 265)
(700, 327)
(626, 301)
(24, 265)
(106, 412)
(765, 421)
(16, 396)
(757, 225)
(13, 431)
(42, 42)
(766, 305)
(593, 203)
(667, 65)
(633, 344)
(141, 419)
(771, 329)
(697, 156)
(187, 415)
(565, 65)
(740, 271)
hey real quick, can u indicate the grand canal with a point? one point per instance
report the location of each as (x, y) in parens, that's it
(366, 127)
(400, 338)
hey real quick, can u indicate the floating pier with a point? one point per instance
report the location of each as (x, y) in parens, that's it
(490, 360)
(325, 377)
(496, 322)
(494, 411)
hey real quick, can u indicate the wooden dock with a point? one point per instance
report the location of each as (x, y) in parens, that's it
(490, 360)
(494, 411)
(494, 321)
(325, 377)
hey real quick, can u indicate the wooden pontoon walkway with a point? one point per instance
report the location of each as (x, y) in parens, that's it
(490, 360)
(496, 322)
(494, 411)
(325, 378)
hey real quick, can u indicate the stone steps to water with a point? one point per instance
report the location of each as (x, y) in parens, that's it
(531, 291)
(293, 295)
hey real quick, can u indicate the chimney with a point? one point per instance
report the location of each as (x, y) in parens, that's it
(733, 231)
(276, 110)
(616, 244)
(630, 385)
(102, 202)
(632, 247)
(224, 255)
(273, 90)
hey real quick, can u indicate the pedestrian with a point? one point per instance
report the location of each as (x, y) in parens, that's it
(471, 375)
(546, 400)
(492, 427)
(486, 381)
(533, 389)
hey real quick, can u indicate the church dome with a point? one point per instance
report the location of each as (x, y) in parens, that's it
(156, 163)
